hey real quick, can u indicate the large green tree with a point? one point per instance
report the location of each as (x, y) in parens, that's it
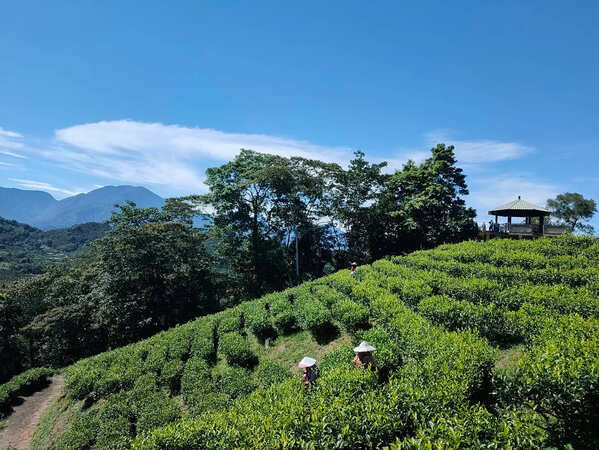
(354, 206)
(574, 210)
(149, 272)
(422, 205)
(263, 206)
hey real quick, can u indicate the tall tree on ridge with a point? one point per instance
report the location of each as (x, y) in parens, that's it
(422, 205)
(573, 209)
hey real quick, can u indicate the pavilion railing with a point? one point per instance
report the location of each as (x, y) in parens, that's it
(527, 229)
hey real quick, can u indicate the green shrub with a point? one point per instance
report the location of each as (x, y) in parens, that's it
(203, 335)
(283, 315)
(268, 373)
(328, 295)
(351, 315)
(235, 382)
(82, 434)
(560, 375)
(114, 430)
(196, 378)
(229, 321)
(155, 410)
(170, 376)
(236, 349)
(340, 357)
(312, 314)
(458, 314)
(258, 320)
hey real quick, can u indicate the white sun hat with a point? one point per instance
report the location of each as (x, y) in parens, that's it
(364, 347)
(307, 362)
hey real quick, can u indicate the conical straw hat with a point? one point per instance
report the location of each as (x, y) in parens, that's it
(364, 347)
(307, 362)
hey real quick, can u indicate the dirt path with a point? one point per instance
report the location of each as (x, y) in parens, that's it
(20, 425)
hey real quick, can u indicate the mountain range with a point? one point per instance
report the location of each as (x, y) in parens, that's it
(41, 210)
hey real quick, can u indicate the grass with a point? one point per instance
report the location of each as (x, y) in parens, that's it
(56, 421)
(288, 350)
(509, 357)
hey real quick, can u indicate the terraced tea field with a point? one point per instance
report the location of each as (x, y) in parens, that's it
(492, 345)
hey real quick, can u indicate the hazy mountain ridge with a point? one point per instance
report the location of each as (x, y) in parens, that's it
(25, 250)
(41, 210)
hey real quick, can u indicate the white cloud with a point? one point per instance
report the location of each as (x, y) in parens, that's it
(471, 154)
(42, 186)
(10, 140)
(490, 192)
(175, 157)
(155, 153)
(481, 151)
(5, 164)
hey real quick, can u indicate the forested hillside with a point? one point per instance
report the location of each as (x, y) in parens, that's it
(25, 250)
(275, 223)
(492, 345)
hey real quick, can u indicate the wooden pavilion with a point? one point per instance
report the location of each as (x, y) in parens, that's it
(528, 211)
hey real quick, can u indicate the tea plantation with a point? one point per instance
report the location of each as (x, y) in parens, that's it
(440, 321)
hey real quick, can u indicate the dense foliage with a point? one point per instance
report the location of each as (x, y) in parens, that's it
(433, 317)
(25, 250)
(574, 210)
(276, 221)
(149, 272)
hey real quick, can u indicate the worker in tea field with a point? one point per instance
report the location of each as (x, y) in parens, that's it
(352, 267)
(364, 356)
(310, 370)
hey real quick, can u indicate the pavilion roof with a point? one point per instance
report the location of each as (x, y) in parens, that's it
(519, 208)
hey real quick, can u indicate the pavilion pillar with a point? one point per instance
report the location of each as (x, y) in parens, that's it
(509, 223)
(541, 225)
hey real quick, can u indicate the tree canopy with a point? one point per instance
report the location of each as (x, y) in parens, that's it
(574, 210)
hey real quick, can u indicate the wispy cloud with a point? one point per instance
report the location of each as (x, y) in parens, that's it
(10, 140)
(491, 192)
(481, 151)
(175, 156)
(167, 154)
(471, 154)
(5, 164)
(42, 186)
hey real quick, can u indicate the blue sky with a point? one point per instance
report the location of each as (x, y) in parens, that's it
(151, 93)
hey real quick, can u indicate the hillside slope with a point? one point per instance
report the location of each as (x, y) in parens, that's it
(41, 210)
(25, 250)
(439, 319)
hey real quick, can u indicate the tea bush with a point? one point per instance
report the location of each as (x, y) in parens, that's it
(235, 382)
(230, 320)
(268, 373)
(312, 314)
(351, 315)
(236, 349)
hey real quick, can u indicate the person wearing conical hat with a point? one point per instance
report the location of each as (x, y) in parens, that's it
(352, 268)
(364, 356)
(310, 370)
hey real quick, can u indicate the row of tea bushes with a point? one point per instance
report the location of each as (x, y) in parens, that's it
(414, 284)
(179, 362)
(349, 408)
(476, 427)
(559, 376)
(22, 384)
(505, 275)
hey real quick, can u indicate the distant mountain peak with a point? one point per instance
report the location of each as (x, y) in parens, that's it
(40, 209)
